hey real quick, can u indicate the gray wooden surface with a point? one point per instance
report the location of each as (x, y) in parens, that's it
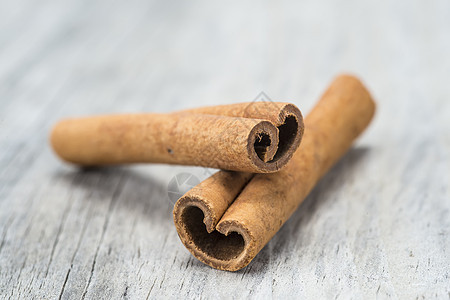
(377, 226)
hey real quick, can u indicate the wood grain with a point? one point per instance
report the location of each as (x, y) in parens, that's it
(378, 224)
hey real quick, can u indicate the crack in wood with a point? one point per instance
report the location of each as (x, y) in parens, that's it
(112, 203)
(60, 229)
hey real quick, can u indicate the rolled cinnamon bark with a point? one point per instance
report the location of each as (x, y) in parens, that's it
(247, 137)
(225, 221)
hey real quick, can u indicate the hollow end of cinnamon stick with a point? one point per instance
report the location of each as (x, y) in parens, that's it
(271, 152)
(197, 214)
(223, 247)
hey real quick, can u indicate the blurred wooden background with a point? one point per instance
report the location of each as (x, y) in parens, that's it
(377, 226)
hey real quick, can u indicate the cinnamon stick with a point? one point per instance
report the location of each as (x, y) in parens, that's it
(227, 219)
(249, 137)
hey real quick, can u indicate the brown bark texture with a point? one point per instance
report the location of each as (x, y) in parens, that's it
(228, 218)
(257, 137)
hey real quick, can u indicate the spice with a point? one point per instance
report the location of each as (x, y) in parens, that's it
(228, 218)
(248, 137)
